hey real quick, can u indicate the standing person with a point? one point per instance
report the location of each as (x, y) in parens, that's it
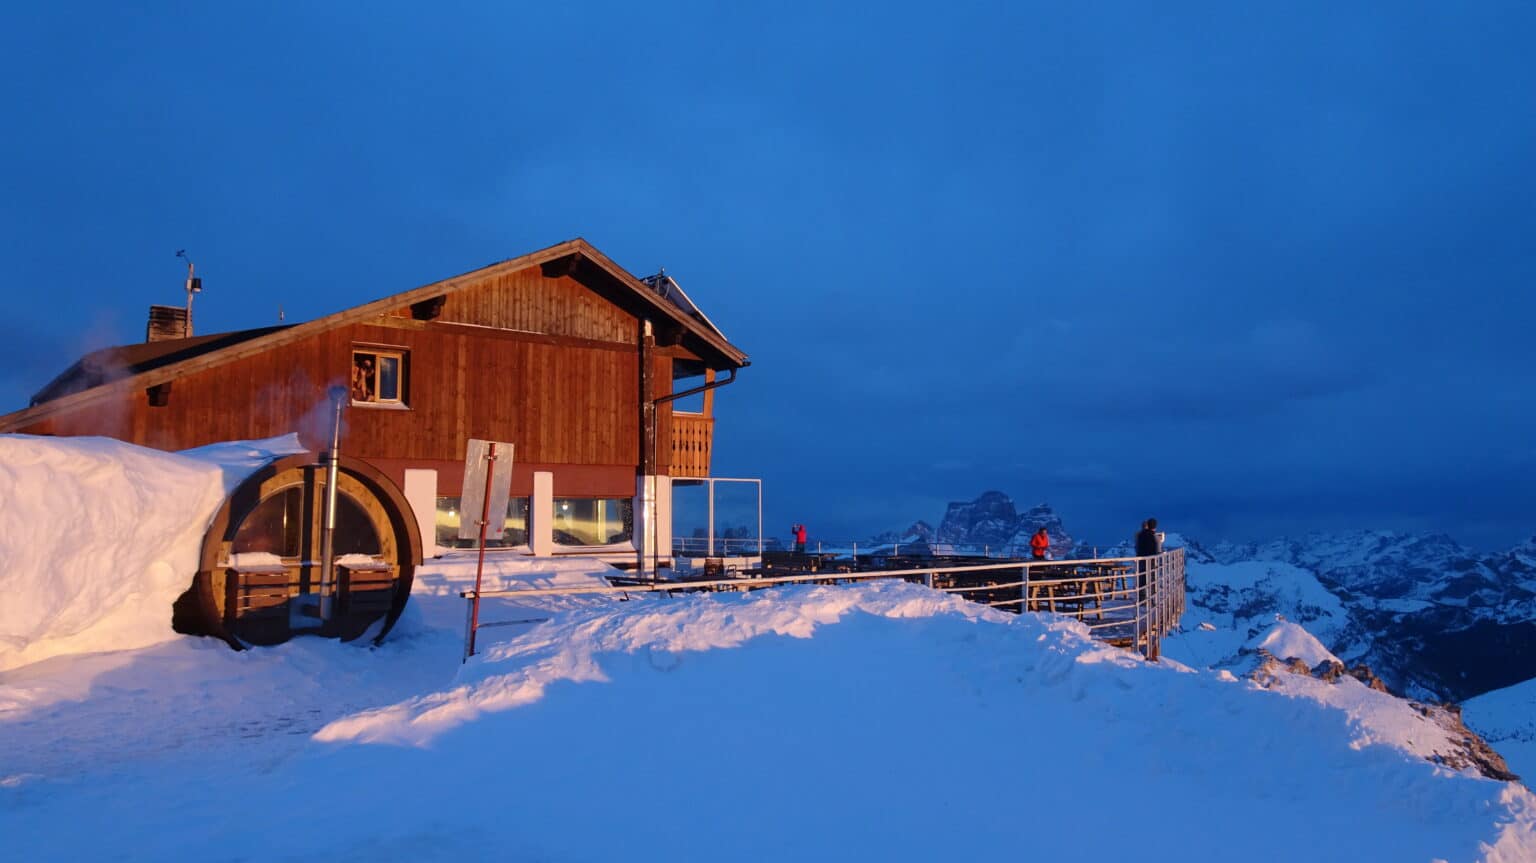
(1147, 541)
(799, 531)
(1147, 545)
(362, 380)
(1039, 544)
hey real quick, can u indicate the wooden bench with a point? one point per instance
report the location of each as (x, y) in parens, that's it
(257, 589)
(257, 601)
(365, 588)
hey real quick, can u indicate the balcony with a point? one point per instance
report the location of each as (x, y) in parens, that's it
(692, 437)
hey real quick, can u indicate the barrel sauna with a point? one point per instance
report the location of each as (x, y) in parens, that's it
(259, 580)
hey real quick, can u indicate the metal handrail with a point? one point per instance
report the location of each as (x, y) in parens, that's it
(1153, 586)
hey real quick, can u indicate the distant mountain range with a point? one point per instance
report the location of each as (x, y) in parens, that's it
(1433, 619)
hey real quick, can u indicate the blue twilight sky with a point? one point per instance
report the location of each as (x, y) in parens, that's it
(1253, 268)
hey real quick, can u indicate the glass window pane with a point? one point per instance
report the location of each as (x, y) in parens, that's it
(446, 524)
(354, 529)
(389, 378)
(516, 524)
(594, 521)
(273, 526)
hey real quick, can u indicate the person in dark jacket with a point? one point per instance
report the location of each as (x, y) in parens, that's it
(1147, 543)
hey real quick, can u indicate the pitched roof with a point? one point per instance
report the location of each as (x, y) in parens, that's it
(673, 293)
(148, 365)
(110, 364)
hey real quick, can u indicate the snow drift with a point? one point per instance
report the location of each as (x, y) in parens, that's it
(98, 537)
(880, 721)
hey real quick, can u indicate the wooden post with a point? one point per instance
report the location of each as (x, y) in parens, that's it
(648, 441)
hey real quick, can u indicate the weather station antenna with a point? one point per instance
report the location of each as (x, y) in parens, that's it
(194, 286)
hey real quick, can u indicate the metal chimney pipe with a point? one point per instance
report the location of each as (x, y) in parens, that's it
(339, 396)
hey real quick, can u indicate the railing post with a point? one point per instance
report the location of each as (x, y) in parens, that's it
(1024, 589)
(469, 627)
(1138, 596)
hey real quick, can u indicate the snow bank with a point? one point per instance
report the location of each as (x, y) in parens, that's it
(567, 650)
(98, 538)
(454, 572)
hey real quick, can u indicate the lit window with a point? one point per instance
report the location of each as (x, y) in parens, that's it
(515, 527)
(378, 376)
(594, 521)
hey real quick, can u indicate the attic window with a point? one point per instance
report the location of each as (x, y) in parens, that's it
(378, 376)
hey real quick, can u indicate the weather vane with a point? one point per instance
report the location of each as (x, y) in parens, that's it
(194, 286)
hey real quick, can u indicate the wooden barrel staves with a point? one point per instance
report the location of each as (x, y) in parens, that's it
(260, 579)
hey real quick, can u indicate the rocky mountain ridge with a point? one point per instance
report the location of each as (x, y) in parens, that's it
(1433, 618)
(992, 522)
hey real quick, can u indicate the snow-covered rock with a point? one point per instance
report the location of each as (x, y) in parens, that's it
(1286, 640)
(1423, 611)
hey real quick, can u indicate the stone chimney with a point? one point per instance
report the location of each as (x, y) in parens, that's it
(166, 323)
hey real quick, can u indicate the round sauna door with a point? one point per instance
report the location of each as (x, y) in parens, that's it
(274, 584)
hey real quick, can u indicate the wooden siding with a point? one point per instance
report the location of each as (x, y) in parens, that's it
(540, 361)
(529, 301)
(559, 404)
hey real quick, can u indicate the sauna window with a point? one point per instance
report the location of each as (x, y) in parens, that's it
(378, 376)
(355, 533)
(273, 526)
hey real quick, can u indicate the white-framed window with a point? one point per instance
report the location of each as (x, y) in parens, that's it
(379, 375)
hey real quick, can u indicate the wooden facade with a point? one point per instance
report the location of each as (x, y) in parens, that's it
(544, 351)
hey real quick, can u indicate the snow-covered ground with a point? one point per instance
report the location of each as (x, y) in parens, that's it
(880, 721)
(1507, 719)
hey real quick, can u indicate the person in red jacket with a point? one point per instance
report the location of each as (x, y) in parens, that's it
(1039, 544)
(799, 531)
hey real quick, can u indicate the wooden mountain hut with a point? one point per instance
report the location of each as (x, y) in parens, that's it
(560, 352)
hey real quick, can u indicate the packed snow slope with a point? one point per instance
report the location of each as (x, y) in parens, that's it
(98, 537)
(1507, 719)
(883, 721)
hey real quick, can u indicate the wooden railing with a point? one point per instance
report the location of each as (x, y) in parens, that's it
(693, 436)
